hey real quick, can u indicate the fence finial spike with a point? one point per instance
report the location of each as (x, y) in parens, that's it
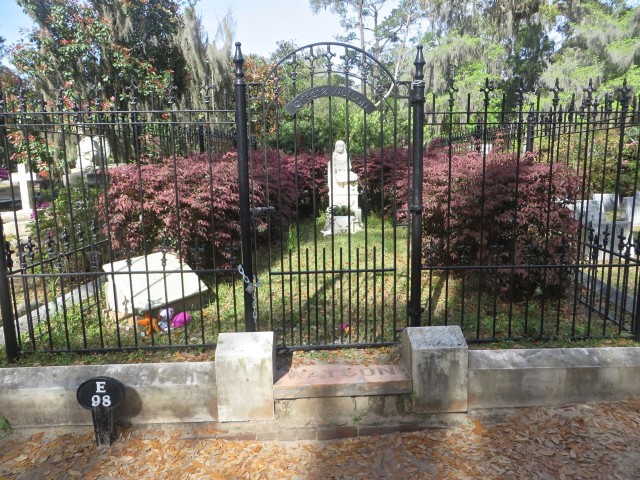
(419, 64)
(625, 94)
(238, 59)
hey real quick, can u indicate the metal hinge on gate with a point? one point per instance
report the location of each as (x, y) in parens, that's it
(262, 211)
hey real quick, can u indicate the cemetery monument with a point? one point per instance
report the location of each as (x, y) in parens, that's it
(343, 194)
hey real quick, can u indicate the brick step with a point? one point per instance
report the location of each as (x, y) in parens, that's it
(337, 380)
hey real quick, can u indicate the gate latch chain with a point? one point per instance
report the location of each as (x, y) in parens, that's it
(251, 288)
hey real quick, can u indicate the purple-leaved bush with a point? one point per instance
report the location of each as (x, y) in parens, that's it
(503, 210)
(141, 208)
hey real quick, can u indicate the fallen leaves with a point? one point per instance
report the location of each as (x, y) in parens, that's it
(566, 442)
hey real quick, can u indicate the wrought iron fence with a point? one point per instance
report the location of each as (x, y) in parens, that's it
(139, 229)
(78, 243)
(558, 261)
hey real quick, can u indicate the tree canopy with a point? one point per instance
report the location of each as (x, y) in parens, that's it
(125, 49)
(524, 44)
(104, 45)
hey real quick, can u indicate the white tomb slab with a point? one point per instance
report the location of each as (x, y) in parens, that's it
(174, 285)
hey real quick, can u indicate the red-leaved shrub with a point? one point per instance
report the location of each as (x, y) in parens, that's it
(294, 184)
(141, 207)
(384, 176)
(500, 211)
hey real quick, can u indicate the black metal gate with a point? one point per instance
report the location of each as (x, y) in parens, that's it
(328, 180)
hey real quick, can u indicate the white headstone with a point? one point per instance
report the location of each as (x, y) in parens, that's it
(595, 212)
(174, 285)
(25, 179)
(589, 211)
(631, 206)
(607, 201)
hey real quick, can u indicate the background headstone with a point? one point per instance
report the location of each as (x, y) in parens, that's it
(631, 206)
(25, 178)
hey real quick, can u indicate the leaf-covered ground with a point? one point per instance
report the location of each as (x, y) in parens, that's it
(599, 441)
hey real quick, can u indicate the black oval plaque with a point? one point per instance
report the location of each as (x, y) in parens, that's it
(100, 392)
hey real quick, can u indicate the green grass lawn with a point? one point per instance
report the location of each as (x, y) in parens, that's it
(339, 290)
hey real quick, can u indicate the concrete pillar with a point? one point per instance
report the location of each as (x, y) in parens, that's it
(437, 360)
(245, 365)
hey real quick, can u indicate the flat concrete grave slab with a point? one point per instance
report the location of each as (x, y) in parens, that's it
(174, 284)
(311, 381)
(245, 363)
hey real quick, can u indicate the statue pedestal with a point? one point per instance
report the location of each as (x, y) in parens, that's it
(341, 224)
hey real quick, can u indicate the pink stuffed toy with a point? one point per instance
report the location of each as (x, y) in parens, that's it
(180, 319)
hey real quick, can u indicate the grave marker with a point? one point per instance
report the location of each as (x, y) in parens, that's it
(25, 179)
(132, 288)
(607, 201)
(343, 192)
(101, 395)
(631, 206)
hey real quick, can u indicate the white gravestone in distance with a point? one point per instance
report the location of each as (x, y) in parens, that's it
(174, 285)
(93, 153)
(607, 201)
(25, 178)
(631, 206)
(343, 191)
(589, 211)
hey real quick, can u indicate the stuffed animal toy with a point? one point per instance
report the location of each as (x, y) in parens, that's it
(180, 319)
(166, 314)
(150, 323)
(164, 318)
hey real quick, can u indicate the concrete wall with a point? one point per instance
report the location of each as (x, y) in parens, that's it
(523, 378)
(155, 393)
(186, 392)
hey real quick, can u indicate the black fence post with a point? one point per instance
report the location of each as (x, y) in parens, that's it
(416, 207)
(530, 130)
(242, 141)
(201, 137)
(8, 323)
(625, 99)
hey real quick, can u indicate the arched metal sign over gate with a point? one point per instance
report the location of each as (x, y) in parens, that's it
(330, 249)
